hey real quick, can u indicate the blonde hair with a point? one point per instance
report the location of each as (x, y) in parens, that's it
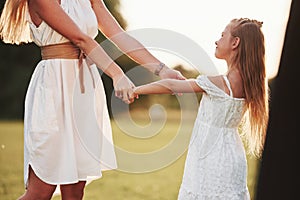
(250, 60)
(14, 26)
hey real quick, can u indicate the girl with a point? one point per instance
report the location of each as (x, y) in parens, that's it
(67, 138)
(216, 165)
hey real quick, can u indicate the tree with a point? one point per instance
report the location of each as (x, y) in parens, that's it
(279, 171)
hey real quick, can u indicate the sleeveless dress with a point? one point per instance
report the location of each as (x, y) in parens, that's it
(67, 134)
(216, 165)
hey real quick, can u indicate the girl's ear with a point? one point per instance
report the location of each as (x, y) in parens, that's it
(235, 42)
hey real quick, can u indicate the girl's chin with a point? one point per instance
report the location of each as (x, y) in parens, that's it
(218, 56)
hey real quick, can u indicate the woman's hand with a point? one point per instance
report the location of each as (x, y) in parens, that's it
(171, 73)
(124, 88)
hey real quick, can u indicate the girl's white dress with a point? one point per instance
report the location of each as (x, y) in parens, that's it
(216, 165)
(67, 133)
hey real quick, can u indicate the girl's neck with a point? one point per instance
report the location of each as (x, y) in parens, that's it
(236, 81)
(231, 64)
(232, 69)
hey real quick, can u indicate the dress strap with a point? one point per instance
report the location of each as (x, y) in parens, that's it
(228, 84)
(62, 2)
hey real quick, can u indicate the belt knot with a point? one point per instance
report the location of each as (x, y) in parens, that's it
(67, 50)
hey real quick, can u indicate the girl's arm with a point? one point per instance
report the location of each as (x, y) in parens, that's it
(169, 86)
(134, 49)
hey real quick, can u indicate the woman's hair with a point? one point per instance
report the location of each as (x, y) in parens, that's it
(14, 26)
(250, 60)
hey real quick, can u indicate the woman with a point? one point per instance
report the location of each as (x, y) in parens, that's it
(65, 143)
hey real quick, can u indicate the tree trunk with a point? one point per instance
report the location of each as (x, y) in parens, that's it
(279, 172)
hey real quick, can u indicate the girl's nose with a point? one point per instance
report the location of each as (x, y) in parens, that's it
(216, 42)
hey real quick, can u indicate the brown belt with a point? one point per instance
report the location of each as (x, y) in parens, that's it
(66, 50)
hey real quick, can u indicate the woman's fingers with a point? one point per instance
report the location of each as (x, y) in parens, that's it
(129, 96)
(124, 89)
(125, 96)
(118, 94)
(171, 73)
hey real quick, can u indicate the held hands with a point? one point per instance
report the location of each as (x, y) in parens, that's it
(124, 88)
(170, 73)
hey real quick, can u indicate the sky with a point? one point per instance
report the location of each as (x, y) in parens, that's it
(203, 21)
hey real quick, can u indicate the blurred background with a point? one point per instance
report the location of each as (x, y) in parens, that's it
(202, 22)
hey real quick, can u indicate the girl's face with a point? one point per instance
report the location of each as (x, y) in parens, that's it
(225, 45)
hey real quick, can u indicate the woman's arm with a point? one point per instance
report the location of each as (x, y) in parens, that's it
(129, 45)
(169, 86)
(51, 12)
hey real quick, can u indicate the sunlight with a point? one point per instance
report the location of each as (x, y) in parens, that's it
(203, 21)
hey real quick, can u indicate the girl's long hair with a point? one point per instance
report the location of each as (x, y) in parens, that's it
(250, 60)
(14, 27)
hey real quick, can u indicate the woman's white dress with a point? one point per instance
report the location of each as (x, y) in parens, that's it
(216, 165)
(67, 134)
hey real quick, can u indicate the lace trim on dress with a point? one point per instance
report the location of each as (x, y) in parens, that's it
(189, 195)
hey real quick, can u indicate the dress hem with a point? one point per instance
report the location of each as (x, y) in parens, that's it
(88, 178)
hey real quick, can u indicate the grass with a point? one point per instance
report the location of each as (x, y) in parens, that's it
(161, 184)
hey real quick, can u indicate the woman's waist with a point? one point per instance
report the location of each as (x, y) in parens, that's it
(66, 50)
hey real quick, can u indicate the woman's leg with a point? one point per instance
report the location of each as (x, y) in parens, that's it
(37, 189)
(72, 191)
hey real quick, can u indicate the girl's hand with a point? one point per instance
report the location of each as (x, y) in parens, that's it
(135, 92)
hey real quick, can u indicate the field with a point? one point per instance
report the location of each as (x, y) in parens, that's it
(161, 183)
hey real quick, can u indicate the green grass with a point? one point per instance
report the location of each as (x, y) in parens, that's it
(162, 184)
(11, 160)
